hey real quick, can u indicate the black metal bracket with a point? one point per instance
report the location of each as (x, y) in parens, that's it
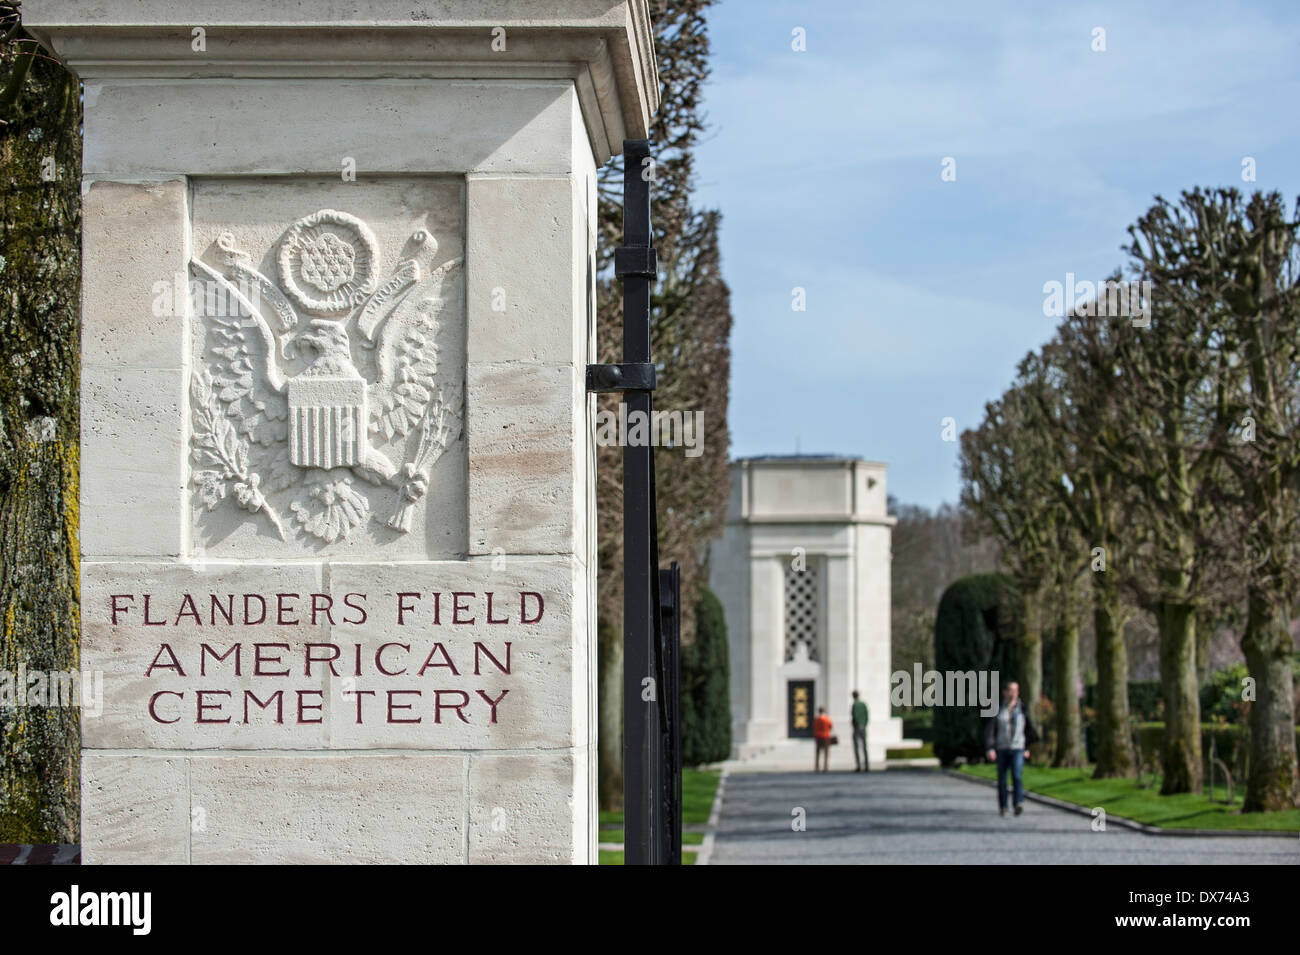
(630, 376)
(639, 260)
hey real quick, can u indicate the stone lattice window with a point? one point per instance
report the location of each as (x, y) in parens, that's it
(801, 611)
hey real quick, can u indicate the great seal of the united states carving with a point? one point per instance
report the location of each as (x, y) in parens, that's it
(285, 408)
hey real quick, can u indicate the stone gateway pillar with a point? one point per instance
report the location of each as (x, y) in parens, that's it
(337, 524)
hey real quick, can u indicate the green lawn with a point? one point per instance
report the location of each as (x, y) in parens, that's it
(616, 835)
(612, 857)
(1124, 798)
(699, 786)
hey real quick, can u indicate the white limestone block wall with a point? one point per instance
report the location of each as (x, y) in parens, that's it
(337, 511)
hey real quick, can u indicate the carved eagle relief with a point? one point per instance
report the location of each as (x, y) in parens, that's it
(282, 406)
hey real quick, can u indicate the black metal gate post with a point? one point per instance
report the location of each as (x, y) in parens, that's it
(651, 735)
(670, 649)
(634, 264)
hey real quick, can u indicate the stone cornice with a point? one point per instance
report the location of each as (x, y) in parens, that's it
(604, 46)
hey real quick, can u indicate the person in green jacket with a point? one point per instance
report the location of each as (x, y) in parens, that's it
(860, 734)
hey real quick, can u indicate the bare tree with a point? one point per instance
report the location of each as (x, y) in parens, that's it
(690, 332)
(1240, 261)
(1079, 367)
(1008, 495)
(1167, 416)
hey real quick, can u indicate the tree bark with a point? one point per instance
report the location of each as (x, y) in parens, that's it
(1181, 755)
(1114, 744)
(40, 270)
(609, 665)
(1069, 745)
(1031, 654)
(1204, 636)
(1273, 782)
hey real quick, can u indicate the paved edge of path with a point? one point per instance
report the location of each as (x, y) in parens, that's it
(12, 853)
(1120, 820)
(715, 815)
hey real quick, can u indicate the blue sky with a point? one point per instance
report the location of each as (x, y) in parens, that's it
(923, 294)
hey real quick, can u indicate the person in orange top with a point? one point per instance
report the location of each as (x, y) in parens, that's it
(822, 736)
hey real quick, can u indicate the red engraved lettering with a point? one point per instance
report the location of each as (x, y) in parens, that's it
(188, 610)
(316, 607)
(456, 608)
(359, 694)
(259, 659)
(277, 698)
(405, 706)
(493, 703)
(353, 605)
(154, 699)
(284, 605)
(174, 665)
(261, 602)
(302, 705)
(523, 612)
(214, 607)
(379, 659)
(458, 707)
(204, 706)
(479, 648)
(310, 659)
(115, 608)
(205, 651)
(438, 648)
(402, 608)
(147, 621)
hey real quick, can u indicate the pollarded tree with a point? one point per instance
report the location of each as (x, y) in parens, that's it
(1166, 418)
(1039, 401)
(1006, 490)
(1079, 365)
(1246, 255)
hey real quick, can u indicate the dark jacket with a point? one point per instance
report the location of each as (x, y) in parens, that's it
(991, 727)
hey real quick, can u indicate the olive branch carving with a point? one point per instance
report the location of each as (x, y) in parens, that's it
(221, 457)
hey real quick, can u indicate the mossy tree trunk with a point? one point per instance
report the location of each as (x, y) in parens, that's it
(1031, 652)
(1114, 745)
(1181, 758)
(1069, 743)
(1273, 783)
(40, 287)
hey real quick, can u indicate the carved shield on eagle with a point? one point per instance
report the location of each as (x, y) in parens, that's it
(322, 390)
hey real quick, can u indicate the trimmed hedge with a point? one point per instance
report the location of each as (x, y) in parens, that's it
(974, 629)
(1220, 697)
(918, 724)
(706, 686)
(1229, 741)
(1145, 701)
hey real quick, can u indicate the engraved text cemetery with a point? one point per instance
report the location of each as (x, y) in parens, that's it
(433, 663)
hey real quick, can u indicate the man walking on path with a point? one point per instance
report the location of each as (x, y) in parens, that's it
(822, 737)
(1008, 737)
(860, 717)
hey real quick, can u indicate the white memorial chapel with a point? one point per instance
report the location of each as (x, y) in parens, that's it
(803, 573)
